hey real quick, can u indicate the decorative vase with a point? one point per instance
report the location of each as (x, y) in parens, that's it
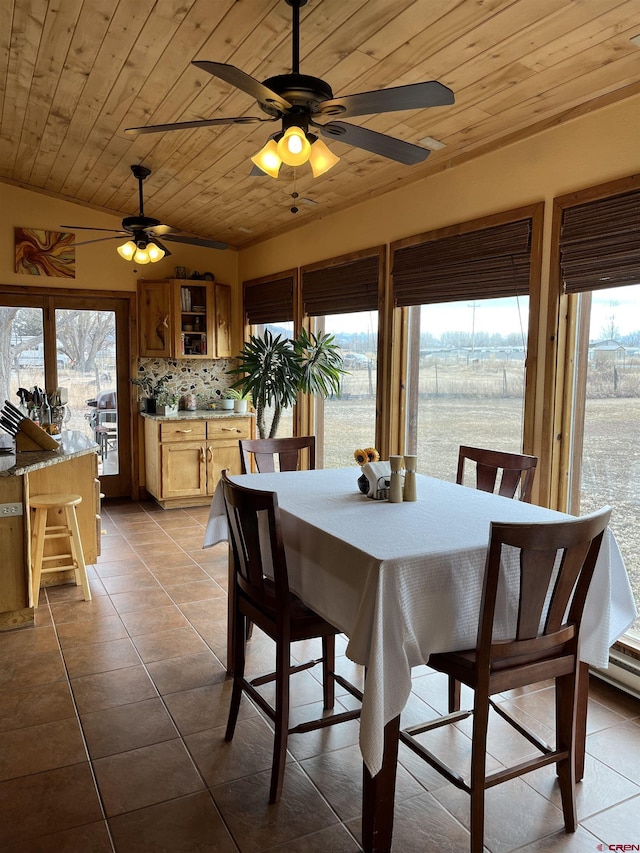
(363, 484)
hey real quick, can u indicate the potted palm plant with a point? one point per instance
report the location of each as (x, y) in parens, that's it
(275, 369)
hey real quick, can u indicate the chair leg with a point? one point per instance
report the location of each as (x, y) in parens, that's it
(77, 554)
(37, 551)
(238, 673)
(328, 665)
(453, 694)
(478, 758)
(566, 701)
(281, 722)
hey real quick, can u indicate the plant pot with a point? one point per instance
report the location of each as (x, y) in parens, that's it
(226, 404)
(240, 406)
(150, 405)
(166, 410)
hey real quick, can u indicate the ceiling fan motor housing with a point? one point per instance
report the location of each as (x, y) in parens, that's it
(301, 90)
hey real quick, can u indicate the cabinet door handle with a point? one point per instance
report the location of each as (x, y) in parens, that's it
(184, 431)
(209, 452)
(202, 454)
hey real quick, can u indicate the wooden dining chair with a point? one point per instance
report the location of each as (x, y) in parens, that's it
(517, 470)
(556, 565)
(286, 451)
(256, 542)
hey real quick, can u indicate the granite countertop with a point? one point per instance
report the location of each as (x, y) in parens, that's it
(72, 444)
(198, 415)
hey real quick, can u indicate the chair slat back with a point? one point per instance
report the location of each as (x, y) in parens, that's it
(256, 542)
(286, 451)
(515, 469)
(556, 560)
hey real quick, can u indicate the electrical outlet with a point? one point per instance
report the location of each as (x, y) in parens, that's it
(10, 509)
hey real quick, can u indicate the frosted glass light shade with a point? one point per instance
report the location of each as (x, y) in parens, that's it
(127, 250)
(321, 158)
(141, 257)
(155, 253)
(293, 149)
(268, 159)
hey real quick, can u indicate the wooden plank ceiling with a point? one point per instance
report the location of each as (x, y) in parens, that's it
(75, 73)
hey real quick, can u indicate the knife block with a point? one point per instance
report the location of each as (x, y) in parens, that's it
(31, 437)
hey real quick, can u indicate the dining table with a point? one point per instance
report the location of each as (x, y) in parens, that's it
(403, 581)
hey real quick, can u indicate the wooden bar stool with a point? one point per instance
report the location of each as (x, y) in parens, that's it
(66, 504)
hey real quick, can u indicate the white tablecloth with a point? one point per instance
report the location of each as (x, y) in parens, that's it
(404, 580)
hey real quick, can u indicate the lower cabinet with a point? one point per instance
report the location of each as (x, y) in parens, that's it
(184, 458)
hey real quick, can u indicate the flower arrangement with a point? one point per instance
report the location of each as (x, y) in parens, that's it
(369, 454)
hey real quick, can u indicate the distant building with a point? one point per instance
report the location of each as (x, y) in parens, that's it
(608, 350)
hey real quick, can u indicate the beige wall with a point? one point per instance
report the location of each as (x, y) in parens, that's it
(98, 266)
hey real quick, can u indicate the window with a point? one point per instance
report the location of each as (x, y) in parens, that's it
(600, 270)
(467, 380)
(268, 305)
(340, 295)
(467, 293)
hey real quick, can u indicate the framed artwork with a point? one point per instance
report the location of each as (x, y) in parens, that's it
(49, 253)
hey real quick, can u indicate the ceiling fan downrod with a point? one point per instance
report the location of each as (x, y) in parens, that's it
(296, 5)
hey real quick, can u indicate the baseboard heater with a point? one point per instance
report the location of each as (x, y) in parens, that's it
(623, 672)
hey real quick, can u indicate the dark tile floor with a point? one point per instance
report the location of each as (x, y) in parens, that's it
(112, 717)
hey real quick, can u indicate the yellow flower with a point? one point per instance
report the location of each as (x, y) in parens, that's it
(372, 454)
(360, 456)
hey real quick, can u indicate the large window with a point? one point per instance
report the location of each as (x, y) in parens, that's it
(600, 269)
(340, 297)
(467, 380)
(606, 436)
(348, 422)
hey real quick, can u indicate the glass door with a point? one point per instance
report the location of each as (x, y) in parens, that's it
(76, 349)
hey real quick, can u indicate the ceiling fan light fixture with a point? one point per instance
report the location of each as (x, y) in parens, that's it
(155, 253)
(127, 250)
(268, 159)
(293, 149)
(321, 158)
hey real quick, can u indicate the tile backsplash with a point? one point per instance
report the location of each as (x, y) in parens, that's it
(206, 378)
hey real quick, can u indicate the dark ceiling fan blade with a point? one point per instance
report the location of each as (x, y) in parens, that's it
(88, 228)
(244, 82)
(101, 239)
(415, 96)
(377, 143)
(186, 125)
(196, 241)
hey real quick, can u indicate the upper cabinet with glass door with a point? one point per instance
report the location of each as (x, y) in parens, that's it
(180, 318)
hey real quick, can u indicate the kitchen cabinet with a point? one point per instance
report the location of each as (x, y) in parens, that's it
(181, 318)
(185, 455)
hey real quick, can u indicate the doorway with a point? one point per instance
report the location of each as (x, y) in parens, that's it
(74, 347)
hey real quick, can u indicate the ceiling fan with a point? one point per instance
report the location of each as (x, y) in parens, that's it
(143, 245)
(299, 100)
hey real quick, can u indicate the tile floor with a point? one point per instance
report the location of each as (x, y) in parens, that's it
(112, 717)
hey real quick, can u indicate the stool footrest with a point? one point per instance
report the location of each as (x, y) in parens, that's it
(69, 567)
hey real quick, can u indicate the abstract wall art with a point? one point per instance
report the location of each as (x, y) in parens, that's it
(49, 253)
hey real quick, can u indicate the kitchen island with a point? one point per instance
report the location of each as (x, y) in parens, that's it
(73, 467)
(185, 453)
